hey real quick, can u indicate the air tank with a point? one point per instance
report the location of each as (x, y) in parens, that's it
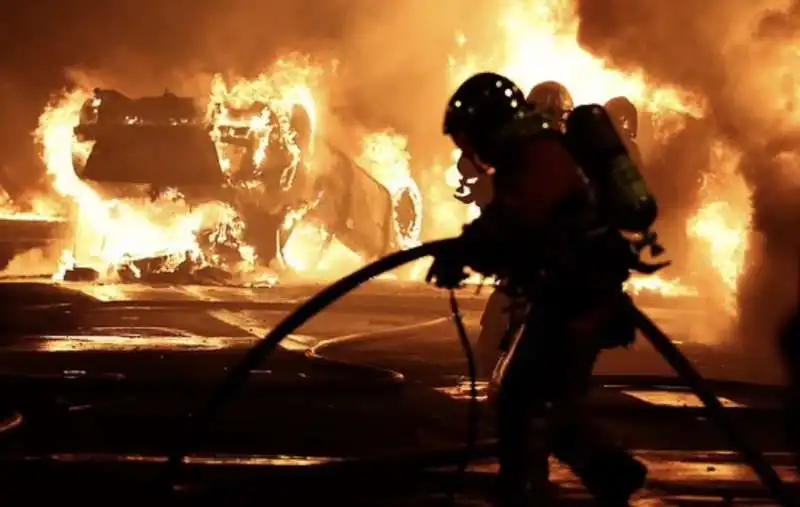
(596, 145)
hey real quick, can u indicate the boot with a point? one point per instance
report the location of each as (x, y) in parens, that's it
(612, 477)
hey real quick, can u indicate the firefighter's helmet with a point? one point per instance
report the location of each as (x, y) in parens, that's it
(551, 98)
(481, 108)
(482, 102)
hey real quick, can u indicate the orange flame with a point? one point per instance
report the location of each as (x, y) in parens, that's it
(111, 232)
(538, 43)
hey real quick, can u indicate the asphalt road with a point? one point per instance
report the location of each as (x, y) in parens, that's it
(180, 334)
(387, 376)
(413, 315)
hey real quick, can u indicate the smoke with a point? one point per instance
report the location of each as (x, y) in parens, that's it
(738, 55)
(394, 64)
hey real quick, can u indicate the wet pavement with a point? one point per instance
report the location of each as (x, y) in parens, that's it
(380, 372)
(390, 325)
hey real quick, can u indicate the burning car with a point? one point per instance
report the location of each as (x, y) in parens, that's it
(253, 161)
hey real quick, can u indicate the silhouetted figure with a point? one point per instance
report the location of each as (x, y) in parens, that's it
(542, 235)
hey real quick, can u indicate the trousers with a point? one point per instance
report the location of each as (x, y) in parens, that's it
(501, 317)
(540, 388)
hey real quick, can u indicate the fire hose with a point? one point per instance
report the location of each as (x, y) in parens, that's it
(238, 375)
(472, 373)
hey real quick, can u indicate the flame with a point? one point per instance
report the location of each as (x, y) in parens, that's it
(656, 284)
(285, 86)
(246, 118)
(385, 155)
(538, 43)
(722, 222)
(66, 263)
(312, 251)
(40, 209)
(110, 233)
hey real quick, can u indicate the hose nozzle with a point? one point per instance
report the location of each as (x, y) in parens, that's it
(649, 240)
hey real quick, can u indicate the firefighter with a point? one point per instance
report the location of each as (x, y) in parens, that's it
(553, 100)
(541, 234)
(504, 314)
(626, 119)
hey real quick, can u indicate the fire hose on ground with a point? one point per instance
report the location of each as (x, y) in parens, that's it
(238, 375)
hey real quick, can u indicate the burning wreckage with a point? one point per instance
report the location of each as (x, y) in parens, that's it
(165, 148)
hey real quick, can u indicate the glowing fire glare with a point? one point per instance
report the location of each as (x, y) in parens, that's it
(285, 86)
(538, 42)
(722, 222)
(385, 155)
(110, 233)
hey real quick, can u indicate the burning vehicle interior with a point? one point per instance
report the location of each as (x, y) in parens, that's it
(233, 304)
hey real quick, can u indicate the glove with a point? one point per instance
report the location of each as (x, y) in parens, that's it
(447, 271)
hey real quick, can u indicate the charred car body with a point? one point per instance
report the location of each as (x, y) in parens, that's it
(251, 158)
(157, 141)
